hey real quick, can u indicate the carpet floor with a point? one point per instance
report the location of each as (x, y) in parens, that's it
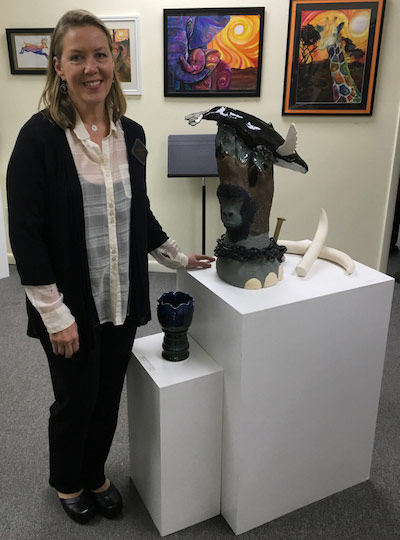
(30, 509)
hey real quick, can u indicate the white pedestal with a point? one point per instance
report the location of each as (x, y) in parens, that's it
(4, 271)
(303, 364)
(175, 432)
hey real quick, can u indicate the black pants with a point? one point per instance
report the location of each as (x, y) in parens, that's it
(87, 390)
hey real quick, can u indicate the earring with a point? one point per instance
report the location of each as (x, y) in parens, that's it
(63, 87)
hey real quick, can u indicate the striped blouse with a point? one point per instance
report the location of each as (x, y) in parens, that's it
(106, 189)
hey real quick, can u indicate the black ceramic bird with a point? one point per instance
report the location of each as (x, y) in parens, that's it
(256, 132)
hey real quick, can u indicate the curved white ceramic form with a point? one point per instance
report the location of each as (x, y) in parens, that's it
(316, 245)
(327, 253)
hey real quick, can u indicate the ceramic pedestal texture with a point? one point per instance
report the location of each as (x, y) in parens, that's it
(303, 365)
(175, 434)
(4, 272)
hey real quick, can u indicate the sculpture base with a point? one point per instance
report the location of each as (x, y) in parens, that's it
(249, 274)
(252, 263)
(175, 347)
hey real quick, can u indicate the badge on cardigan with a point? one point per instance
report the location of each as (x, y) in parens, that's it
(139, 151)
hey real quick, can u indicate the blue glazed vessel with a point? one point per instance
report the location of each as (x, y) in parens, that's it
(175, 313)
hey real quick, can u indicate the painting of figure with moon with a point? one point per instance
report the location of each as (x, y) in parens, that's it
(124, 33)
(121, 52)
(209, 52)
(332, 56)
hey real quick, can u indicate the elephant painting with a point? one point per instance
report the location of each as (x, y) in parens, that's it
(190, 64)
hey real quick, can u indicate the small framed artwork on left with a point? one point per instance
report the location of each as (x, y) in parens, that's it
(28, 50)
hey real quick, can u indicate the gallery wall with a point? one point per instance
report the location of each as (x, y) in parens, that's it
(4, 271)
(354, 162)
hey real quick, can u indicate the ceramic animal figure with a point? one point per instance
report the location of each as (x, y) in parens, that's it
(246, 150)
(344, 87)
(256, 132)
(34, 48)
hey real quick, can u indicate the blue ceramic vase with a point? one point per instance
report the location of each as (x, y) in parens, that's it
(175, 313)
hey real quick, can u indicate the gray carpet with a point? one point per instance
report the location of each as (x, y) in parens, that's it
(30, 509)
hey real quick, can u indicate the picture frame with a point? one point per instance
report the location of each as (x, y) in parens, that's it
(28, 50)
(221, 54)
(332, 56)
(125, 34)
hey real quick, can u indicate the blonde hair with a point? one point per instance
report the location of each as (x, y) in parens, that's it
(58, 106)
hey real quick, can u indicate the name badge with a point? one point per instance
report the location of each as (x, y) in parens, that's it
(139, 151)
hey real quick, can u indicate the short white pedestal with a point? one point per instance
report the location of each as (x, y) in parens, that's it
(175, 434)
(303, 364)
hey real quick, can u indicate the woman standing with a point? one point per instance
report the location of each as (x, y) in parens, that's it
(81, 228)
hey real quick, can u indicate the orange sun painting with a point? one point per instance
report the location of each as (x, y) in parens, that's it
(213, 51)
(356, 26)
(332, 56)
(238, 42)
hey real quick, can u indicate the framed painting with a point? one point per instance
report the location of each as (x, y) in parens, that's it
(28, 50)
(213, 52)
(124, 33)
(332, 56)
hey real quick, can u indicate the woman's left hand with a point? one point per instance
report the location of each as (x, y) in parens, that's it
(199, 261)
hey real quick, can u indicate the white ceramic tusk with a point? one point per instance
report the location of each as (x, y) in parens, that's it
(316, 245)
(327, 253)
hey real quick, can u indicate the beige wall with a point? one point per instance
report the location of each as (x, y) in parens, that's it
(354, 162)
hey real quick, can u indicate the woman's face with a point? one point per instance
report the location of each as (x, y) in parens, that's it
(86, 64)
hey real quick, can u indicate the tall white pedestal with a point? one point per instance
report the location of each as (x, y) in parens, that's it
(175, 434)
(4, 272)
(303, 364)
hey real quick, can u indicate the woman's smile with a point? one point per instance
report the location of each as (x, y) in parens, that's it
(93, 84)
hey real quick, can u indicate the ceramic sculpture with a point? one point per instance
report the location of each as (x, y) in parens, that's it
(247, 148)
(175, 313)
(317, 249)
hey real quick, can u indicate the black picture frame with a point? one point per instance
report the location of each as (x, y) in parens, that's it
(330, 73)
(31, 58)
(211, 52)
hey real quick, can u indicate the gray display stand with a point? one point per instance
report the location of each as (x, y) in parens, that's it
(4, 272)
(302, 364)
(175, 434)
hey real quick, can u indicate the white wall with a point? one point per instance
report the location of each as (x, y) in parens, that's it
(3, 247)
(354, 162)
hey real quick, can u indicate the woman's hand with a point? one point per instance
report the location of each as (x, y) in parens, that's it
(65, 342)
(199, 261)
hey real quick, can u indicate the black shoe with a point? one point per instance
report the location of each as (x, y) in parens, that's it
(108, 503)
(80, 508)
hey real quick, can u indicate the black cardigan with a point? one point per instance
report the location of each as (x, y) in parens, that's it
(47, 227)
